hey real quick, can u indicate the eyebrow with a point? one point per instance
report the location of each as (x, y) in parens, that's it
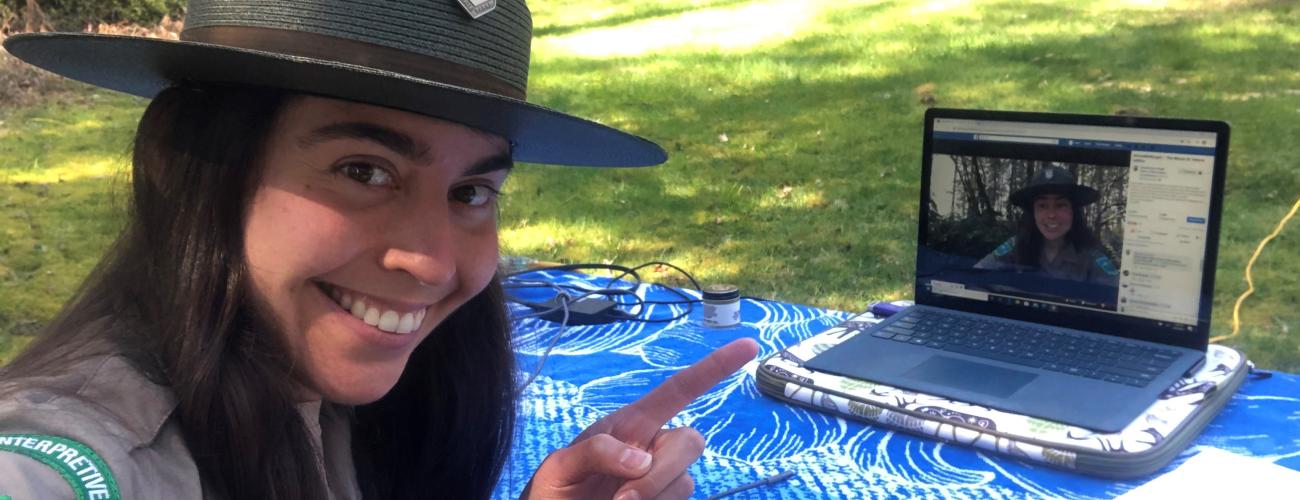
(400, 143)
(500, 161)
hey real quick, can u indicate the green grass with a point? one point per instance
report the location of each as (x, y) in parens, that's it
(793, 130)
(61, 181)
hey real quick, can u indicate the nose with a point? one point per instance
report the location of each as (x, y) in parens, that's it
(423, 246)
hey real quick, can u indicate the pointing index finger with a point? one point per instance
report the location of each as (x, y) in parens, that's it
(669, 398)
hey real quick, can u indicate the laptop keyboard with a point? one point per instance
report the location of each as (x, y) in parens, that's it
(1038, 347)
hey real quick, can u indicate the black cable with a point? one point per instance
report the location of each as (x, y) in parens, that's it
(547, 353)
(671, 302)
(688, 276)
(563, 300)
(579, 267)
(610, 291)
(689, 301)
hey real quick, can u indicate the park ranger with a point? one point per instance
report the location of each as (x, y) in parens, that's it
(303, 302)
(1053, 239)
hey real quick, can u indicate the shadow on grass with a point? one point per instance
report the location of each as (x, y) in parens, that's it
(54, 234)
(66, 135)
(848, 147)
(62, 189)
(794, 170)
(641, 13)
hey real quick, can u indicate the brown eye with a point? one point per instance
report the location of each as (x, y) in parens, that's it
(366, 173)
(474, 195)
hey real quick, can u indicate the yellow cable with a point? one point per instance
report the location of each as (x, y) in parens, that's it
(1250, 283)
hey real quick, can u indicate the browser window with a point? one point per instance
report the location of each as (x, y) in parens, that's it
(1107, 220)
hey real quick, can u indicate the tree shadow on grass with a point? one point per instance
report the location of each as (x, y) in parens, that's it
(847, 148)
(802, 184)
(54, 233)
(68, 133)
(62, 187)
(643, 12)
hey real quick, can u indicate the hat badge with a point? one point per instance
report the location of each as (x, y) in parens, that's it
(477, 8)
(1048, 175)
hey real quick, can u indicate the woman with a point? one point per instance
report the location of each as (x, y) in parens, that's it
(303, 302)
(1053, 238)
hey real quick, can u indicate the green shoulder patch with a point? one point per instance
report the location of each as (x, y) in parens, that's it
(1005, 248)
(1106, 265)
(85, 471)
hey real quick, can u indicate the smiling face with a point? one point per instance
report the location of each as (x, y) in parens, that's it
(370, 226)
(1054, 215)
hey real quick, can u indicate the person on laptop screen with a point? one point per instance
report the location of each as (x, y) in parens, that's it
(1052, 237)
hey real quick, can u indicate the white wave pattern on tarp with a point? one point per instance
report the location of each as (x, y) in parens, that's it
(594, 370)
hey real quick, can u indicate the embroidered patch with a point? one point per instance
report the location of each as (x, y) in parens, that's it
(80, 466)
(1106, 266)
(1005, 247)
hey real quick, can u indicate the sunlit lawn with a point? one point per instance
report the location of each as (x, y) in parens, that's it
(793, 128)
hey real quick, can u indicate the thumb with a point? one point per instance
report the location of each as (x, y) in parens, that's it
(601, 454)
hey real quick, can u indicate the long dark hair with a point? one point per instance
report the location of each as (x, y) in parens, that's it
(173, 295)
(1029, 242)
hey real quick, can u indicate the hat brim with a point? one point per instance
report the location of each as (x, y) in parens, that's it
(146, 66)
(1079, 195)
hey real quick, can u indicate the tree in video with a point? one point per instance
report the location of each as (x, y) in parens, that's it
(1061, 220)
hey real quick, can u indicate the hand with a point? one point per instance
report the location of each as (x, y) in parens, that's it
(628, 454)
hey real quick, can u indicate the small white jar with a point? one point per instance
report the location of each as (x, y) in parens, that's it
(721, 306)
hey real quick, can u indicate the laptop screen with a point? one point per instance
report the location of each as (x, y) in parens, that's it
(1105, 224)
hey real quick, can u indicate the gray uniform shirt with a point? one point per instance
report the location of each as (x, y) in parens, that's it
(106, 405)
(1091, 265)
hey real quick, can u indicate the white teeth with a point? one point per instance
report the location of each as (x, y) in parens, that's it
(383, 319)
(388, 321)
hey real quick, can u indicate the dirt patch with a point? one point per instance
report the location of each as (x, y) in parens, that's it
(23, 85)
(169, 28)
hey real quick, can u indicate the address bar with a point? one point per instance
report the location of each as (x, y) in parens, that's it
(1013, 138)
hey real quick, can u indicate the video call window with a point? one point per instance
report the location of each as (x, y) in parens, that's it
(1037, 219)
(1093, 217)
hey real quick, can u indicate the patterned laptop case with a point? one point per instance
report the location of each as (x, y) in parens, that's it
(1150, 442)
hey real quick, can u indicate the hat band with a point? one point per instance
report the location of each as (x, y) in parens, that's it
(335, 49)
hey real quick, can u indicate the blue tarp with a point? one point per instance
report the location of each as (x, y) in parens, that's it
(593, 370)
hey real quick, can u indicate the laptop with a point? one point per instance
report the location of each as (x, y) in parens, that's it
(1064, 266)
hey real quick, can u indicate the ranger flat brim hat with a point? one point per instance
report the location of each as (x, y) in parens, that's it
(1054, 180)
(424, 56)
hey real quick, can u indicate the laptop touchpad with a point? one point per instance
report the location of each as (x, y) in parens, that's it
(970, 376)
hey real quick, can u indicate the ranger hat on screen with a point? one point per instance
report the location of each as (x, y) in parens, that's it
(459, 60)
(1054, 180)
